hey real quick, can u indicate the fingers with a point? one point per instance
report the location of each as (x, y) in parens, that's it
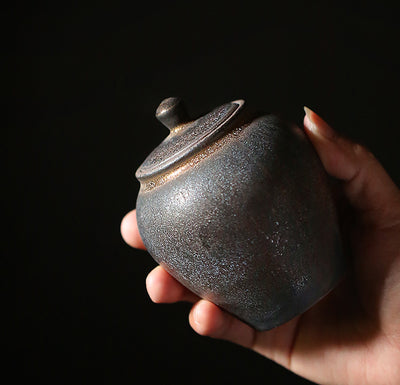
(163, 288)
(205, 318)
(367, 186)
(209, 320)
(130, 232)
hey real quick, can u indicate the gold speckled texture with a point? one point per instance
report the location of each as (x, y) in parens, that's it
(251, 226)
(182, 142)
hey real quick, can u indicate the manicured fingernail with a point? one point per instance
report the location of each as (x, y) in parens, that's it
(317, 125)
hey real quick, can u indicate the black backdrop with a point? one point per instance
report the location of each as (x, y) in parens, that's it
(86, 83)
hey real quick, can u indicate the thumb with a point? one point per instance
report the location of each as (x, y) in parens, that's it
(366, 185)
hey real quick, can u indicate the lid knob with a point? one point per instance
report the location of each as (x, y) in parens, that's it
(171, 112)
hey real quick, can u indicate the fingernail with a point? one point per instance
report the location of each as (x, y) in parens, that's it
(197, 315)
(317, 125)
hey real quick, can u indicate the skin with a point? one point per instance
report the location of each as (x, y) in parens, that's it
(352, 336)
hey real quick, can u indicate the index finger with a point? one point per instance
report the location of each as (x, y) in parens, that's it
(367, 186)
(130, 231)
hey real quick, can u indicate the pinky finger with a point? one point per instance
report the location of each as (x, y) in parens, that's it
(208, 319)
(163, 288)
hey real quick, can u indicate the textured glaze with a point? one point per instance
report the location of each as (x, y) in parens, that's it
(247, 222)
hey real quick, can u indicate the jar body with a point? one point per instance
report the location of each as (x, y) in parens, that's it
(250, 226)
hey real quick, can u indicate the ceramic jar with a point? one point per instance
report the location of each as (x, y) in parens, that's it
(238, 208)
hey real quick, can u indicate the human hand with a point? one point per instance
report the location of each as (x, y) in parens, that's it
(352, 336)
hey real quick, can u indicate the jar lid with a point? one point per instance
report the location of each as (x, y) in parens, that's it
(186, 137)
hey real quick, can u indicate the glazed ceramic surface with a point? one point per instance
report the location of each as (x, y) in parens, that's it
(237, 207)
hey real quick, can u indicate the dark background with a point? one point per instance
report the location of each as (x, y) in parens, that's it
(85, 84)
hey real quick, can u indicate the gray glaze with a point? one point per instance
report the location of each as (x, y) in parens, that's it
(244, 217)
